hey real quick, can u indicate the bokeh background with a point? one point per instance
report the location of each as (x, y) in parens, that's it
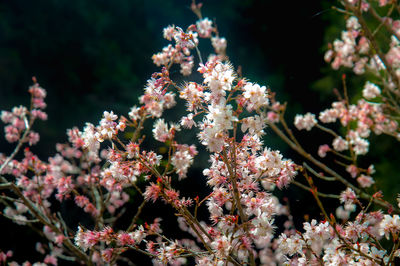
(93, 56)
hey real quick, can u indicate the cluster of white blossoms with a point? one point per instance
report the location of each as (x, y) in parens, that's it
(108, 127)
(306, 121)
(351, 50)
(370, 91)
(219, 44)
(204, 27)
(390, 225)
(184, 42)
(254, 125)
(255, 95)
(156, 99)
(219, 78)
(340, 144)
(183, 159)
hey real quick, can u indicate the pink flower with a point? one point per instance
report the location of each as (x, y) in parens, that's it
(365, 181)
(383, 2)
(90, 208)
(59, 239)
(12, 133)
(348, 196)
(125, 239)
(64, 187)
(7, 117)
(169, 32)
(50, 260)
(273, 117)
(204, 27)
(4, 256)
(322, 150)
(33, 138)
(107, 254)
(39, 114)
(353, 170)
(171, 195)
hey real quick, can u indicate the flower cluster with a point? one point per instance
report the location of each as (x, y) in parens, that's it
(20, 119)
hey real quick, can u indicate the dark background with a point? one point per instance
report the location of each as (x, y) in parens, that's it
(93, 56)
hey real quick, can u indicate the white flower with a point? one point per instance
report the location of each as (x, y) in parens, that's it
(306, 121)
(204, 27)
(339, 144)
(221, 115)
(341, 213)
(169, 32)
(328, 116)
(269, 163)
(290, 245)
(107, 127)
(255, 95)
(89, 138)
(389, 225)
(162, 133)
(360, 146)
(219, 44)
(182, 159)
(370, 91)
(365, 181)
(348, 196)
(211, 137)
(352, 23)
(187, 121)
(254, 124)
(134, 113)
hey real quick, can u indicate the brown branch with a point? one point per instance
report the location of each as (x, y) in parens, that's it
(375, 46)
(324, 195)
(136, 217)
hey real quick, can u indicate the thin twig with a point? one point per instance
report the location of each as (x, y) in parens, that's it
(326, 178)
(324, 195)
(136, 217)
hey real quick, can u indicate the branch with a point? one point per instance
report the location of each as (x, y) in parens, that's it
(374, 44)
(328, 170)
(326, 178)
(136, 217)
(7, 185)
